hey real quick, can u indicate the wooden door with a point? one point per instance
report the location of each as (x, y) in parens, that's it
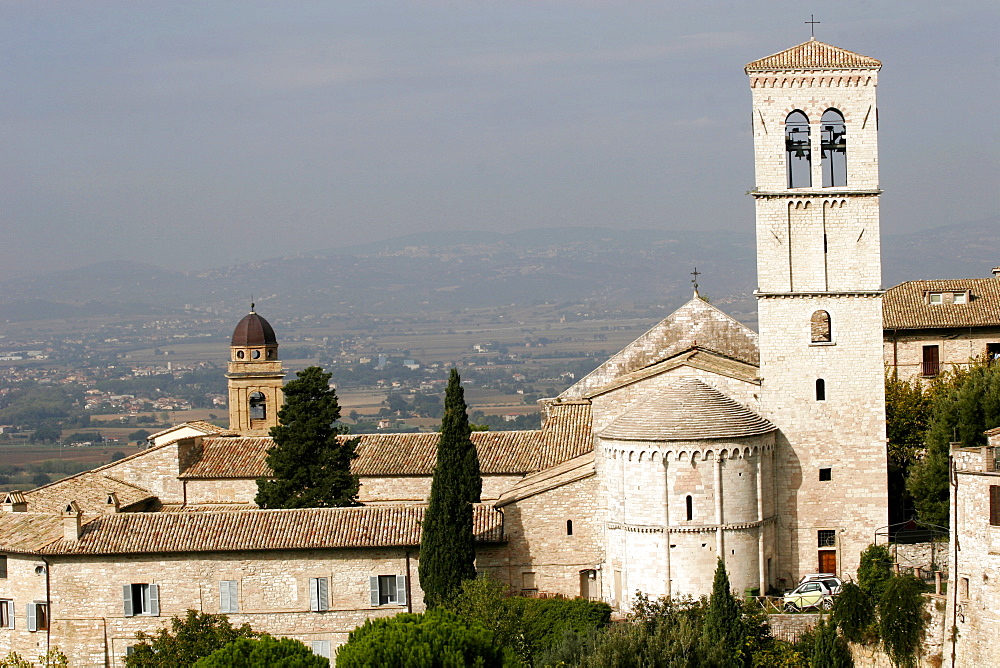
(828, 561)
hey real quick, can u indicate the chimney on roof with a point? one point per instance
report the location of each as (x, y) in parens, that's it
(111, 504)
(71, 521)
(14, 502)
(996, 272)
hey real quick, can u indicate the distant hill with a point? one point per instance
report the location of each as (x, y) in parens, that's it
(420, 272)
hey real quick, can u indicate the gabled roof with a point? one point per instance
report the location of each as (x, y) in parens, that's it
(697, 324)
(298, 529)
(90, 489)
(905, 306)
(686, 410)
(813, 55)
(565, 473)
(565, 434)
(28, 532)
(199, 425)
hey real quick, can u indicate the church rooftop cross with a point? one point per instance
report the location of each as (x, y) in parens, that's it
(812, 25)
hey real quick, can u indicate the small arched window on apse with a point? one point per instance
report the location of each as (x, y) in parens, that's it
(689, 503)
(798, 151)
(833, 146)
(820, 389)
(819, 326)
(569, 527)
(258, 406)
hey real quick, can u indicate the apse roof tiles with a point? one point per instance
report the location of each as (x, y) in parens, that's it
(686, 410)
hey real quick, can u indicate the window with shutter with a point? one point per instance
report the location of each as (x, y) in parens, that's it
(141, 599)
(32, 619)
(321, 648)
(318, 594)
(6, 614)
(228, 596)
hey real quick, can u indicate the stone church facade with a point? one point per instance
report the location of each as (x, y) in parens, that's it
(700, 440)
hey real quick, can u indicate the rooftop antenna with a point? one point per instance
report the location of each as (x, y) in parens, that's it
(694, 280)
(812, 25)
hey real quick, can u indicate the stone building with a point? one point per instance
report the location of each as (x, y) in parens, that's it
(935, 326)
(699, 441)
(974, 594)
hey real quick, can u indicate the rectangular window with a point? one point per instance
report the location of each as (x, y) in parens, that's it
(528, 581)
(6, 614)
(141, 599)
(3, 565)
(319, 594)
(229, 600)
(959, 298)
(321, 648)
(963, 589)
(936, 297)
(995, 505)
(38, 616)
(993, 351)
(826, 538)
(931, 362)
(826, 474)
(387, 589)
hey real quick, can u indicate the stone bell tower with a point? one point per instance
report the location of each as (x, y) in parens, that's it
(255, 377)
(819, 297)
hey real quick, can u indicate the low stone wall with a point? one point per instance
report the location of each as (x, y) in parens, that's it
(928, 557)
(790, 627)
(932, 647)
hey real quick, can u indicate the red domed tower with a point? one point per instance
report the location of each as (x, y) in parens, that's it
(255, 376)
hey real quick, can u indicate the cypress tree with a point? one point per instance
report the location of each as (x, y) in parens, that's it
(447, 550)
(310, 467)
(722, 629)
(829, 649)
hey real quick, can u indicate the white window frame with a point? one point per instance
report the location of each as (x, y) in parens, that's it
(6, 613)
(319, 594)
(321, 648)
(148, 599)
(387, 590)
(229, 596)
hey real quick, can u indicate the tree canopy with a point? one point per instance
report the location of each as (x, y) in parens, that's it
(198, 634)
(263, 651)
(963, 405)
(447, 548)
(310, 467)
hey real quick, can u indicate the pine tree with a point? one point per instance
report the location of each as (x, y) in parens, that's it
(310, 467)
(723, 623)
(447, 550)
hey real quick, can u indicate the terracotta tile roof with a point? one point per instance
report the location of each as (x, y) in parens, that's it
(686, 410)
(566, 434)
(500, 452)
(203, 507)
(813, 55)
(697, 324)
(905, 306)
(89, 489)
(28, 532)
(200, 425)
(300, 529)
(561, 474)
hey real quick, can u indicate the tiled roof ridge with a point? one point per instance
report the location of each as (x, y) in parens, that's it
(813, 54)
(138, 488)
(261, 529)
(904, 305)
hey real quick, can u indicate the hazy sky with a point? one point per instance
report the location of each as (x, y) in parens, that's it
(188, 134)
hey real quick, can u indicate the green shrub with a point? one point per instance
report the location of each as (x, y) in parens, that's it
(263, 651)
(546, 620)
(197, 635)
(434, 639)
(901, 619)
(829, 650)
(875, 570)
(854, 613)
